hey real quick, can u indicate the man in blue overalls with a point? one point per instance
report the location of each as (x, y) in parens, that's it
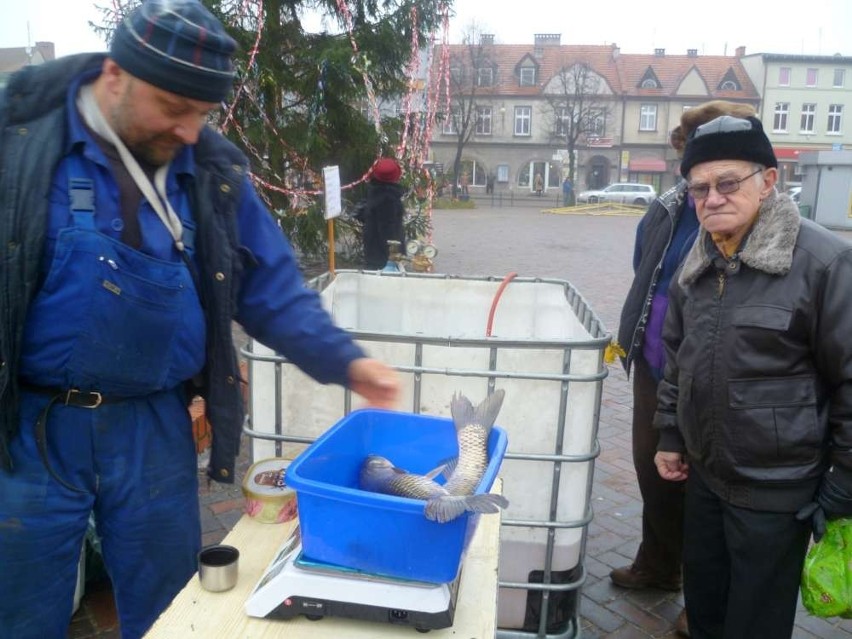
(130, 238)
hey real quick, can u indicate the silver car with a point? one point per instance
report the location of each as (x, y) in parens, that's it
(621, 192)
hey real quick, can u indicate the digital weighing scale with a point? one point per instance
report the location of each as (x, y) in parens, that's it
(292, 585)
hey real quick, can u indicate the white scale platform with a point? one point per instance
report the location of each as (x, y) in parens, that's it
(292, 585)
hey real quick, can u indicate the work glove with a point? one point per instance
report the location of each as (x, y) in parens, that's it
(833, 500)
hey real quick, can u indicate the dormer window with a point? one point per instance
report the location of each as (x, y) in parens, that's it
(649, 80)
(729, 82)
(527, 76)
(484, 77)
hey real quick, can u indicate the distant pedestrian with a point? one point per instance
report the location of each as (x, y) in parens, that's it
(383, 213)
(489, 183)
(463, 183)
(538, 184)
(567, 191)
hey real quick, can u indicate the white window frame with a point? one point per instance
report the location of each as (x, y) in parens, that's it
(448, 126)
(650, 83)
(834, 125)
(484, 120)
(839, 79)
(526, 76)
(780, 117)
(808, 120)
(648, 117)
(811, 77)
(485, 77)
(784, 75)
(597, 123)
(562, 116)
(523, 121)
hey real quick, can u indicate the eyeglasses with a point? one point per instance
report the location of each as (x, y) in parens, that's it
(725, 187)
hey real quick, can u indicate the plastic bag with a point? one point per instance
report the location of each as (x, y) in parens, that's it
(827, 575)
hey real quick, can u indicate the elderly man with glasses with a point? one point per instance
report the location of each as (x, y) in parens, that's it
(755, 409)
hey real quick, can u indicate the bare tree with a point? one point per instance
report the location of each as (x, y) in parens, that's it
(472, 75)
(580, 102)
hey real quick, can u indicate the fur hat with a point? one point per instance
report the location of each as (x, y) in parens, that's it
(728, 138)
(696, 116)
(178, 46)
(386, 170)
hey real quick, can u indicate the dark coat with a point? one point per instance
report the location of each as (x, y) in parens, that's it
(758, 382)
(653, 238)
(382, 216)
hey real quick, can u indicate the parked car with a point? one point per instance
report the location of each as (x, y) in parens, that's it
(622, 192)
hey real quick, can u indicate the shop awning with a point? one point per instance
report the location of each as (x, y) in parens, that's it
(789, 153)
(647, 165)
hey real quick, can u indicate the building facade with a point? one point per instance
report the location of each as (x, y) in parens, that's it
(534, 110)
(806, 105)
(14, 58)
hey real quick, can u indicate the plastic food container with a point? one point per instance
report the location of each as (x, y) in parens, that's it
(268, 497)
(378, 533)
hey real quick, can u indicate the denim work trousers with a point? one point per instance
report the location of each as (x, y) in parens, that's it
(136, 463)
(662, 501)
(741, 567)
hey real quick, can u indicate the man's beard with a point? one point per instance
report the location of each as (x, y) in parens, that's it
(153, 149)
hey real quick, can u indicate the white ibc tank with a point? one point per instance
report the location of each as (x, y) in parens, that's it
(545, 350)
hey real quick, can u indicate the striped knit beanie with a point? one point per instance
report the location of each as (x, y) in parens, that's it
(178, 46)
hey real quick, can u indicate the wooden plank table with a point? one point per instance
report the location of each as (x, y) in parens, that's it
(196, 612)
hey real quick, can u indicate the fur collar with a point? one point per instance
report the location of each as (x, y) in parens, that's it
(768, 247)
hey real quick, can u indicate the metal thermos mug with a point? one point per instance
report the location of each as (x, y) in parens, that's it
(217, 567)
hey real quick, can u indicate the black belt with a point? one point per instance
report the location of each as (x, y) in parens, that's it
(69, 397)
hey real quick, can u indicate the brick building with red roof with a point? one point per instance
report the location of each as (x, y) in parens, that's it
(523, 101)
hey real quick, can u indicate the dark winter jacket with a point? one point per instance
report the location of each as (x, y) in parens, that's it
(33, 123)
(383, 220)
(758, 383)
(653, 238)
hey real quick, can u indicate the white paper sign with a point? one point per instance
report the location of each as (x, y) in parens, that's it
(331, 178)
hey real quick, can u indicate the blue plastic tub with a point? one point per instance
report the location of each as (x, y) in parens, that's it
(372, 532)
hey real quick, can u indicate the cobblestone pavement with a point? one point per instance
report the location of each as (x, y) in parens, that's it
(594, 254)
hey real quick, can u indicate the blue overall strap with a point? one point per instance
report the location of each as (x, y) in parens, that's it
(81, 193)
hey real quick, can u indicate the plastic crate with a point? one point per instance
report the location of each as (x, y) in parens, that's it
(376, 533)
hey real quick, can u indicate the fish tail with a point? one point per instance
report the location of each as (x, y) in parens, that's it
(485, 414)
(486, 503)
(445, 508)
(462, 411)
(489, 408)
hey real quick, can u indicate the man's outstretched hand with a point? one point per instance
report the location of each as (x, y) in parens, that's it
(375, 381)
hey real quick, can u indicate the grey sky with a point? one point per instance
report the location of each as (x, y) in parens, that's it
(817, 27)
(637, 27)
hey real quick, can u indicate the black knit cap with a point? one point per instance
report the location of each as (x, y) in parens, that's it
(728, 138)
(178, 46)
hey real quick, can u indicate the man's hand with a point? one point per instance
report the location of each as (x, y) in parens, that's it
(374, 381)
(671, 466)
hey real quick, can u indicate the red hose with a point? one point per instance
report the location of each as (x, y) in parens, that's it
(496, 299)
